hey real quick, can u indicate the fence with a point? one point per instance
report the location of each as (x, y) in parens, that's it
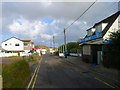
(8, 54)
(61, 54)
(24, 54)
(75, 54)
(3, 54)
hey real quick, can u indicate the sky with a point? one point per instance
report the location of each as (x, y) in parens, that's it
(39, 21)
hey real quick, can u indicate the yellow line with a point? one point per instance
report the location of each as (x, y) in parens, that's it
(104, 82)
(35, 78)
(32, 77)
(36, 75)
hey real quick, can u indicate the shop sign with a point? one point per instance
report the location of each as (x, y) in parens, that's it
(96, 36)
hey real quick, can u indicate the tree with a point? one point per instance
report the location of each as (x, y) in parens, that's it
(72, 45)
(111, 54)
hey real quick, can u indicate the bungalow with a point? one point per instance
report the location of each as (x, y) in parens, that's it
(97, 36)
(16, 45)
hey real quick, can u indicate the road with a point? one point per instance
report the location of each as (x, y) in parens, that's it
(54, 73)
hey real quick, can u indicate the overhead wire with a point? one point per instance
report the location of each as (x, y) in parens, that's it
(81, 15)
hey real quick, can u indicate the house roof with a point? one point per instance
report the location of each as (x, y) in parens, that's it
(10, 38)
(20, 40)
(88, 29)
(26, 40)
(110, 20)
(32, 42)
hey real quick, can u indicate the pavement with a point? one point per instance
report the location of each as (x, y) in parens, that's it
(56, 72)
(107, 74)
(0, 82)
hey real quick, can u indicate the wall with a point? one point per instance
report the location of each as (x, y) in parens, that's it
(8, 54)
(75, 54)
(13, 54)
(27, 47)
(61, 54)
(104, 25)
(26, 51)
(98, 28)
(12, 47)
(113, 28)
(86, 50)
(24, 54)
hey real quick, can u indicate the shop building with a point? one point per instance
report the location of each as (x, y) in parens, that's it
(97, 36)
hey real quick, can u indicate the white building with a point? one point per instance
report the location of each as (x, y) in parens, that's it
(16, 45)
(13, 45)
(97, 36)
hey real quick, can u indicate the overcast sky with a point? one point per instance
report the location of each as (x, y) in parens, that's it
(39, 21)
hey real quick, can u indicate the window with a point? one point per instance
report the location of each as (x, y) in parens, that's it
(99, 28)
(5, 44)
(25, 44)
(17, 45)
(88, 32)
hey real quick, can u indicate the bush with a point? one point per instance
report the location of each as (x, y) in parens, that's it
(16, 74)
(111, 54)
(73, 50)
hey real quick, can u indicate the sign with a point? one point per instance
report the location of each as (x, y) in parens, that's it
(98, 35)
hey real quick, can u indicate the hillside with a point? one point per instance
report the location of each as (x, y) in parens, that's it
(45, 47)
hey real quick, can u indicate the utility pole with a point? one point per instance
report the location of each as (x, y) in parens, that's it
(65, 44)
(59, 49)
(54, 42)
(50, 43)
(63, 49)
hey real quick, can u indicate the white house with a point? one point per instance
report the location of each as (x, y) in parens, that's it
(16, 45)
(97, 36)
(13, 45)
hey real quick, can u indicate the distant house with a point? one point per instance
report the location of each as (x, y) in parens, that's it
(97, 36)
(16, 45)
(28, 45)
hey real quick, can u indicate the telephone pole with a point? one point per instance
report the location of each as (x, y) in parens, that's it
(65, 44)
(50, 43)
(63, 48)
(54, 43)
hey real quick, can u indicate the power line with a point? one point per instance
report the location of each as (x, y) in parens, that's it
(106, 9)
(81, 15)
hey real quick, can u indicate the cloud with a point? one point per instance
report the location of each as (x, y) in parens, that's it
(40, 21)
(29, 29)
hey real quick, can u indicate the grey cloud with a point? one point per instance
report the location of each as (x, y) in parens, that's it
(61, 11)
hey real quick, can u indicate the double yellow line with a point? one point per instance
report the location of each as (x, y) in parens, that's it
(34, 76)
(104, 82)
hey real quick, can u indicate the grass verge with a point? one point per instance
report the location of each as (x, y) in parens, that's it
(15, 74)
(34, 58)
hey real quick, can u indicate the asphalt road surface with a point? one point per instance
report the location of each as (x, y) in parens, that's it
(52, 73)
